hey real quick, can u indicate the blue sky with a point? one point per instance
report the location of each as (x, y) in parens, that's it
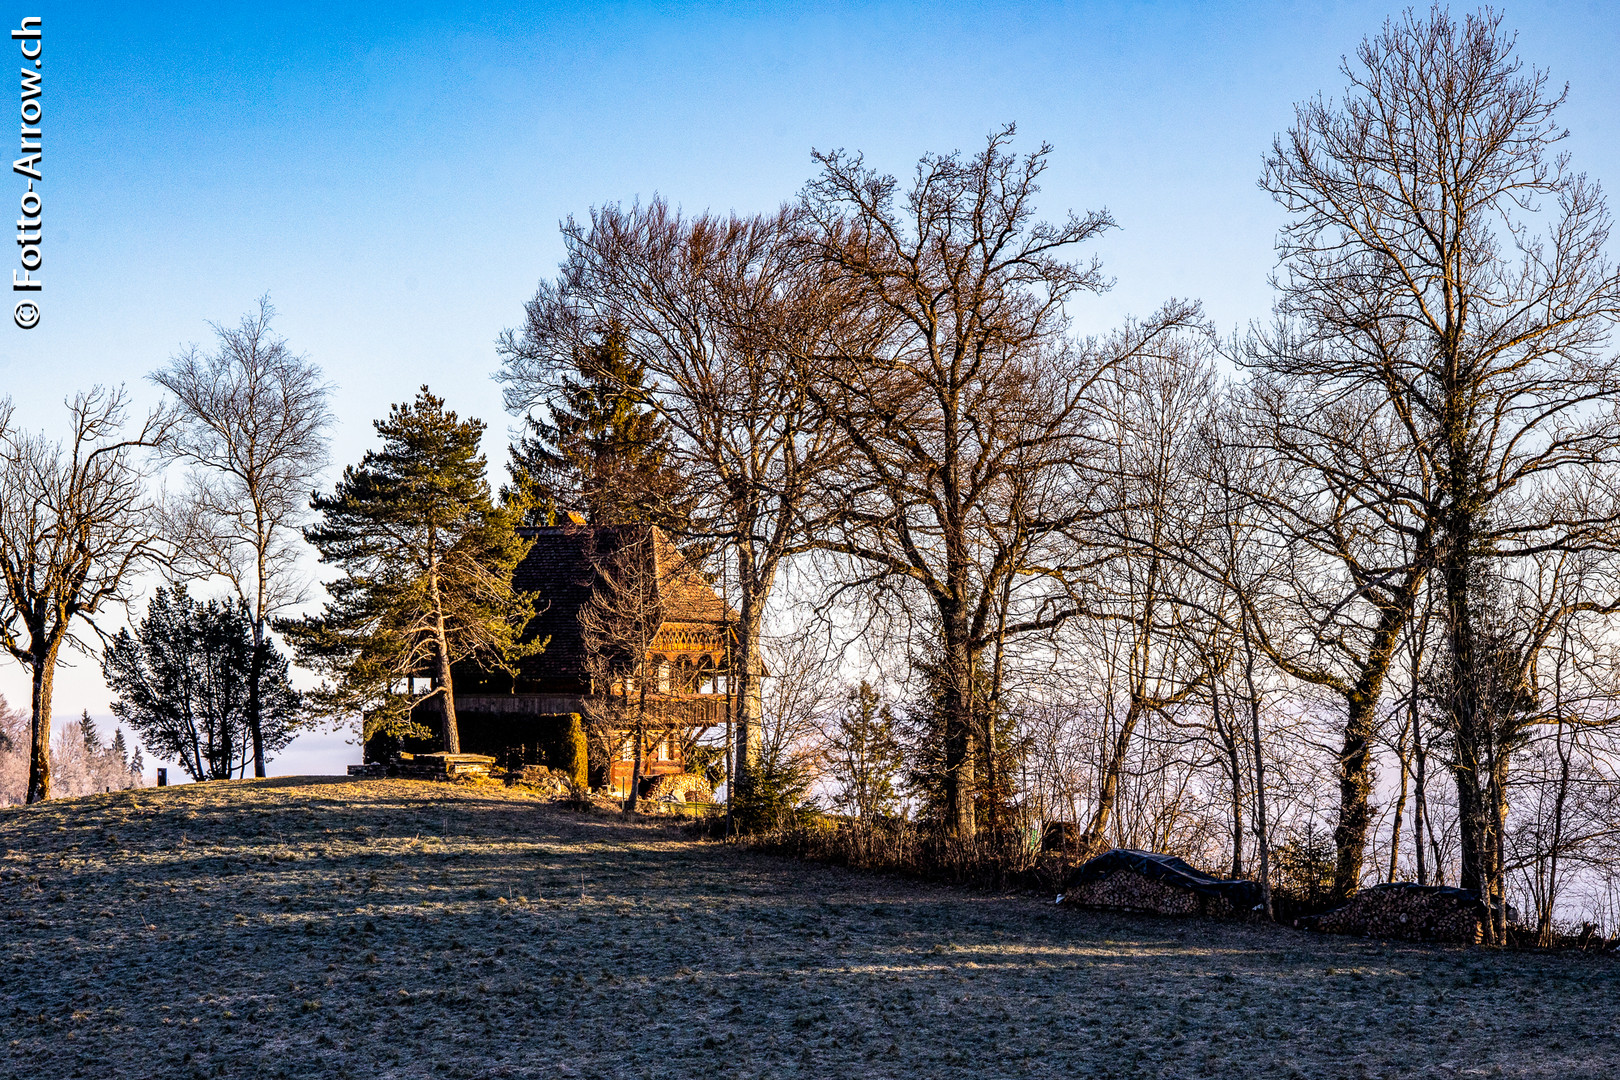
(393, 175)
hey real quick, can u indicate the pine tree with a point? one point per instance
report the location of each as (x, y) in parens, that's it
(427, 561)
(92, 737)
(601, 452)
(120, 749)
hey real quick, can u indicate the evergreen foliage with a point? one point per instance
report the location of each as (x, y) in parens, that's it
(770, 794)
(182, 683)
(992, 788)
(87, 729)
(707, 761)
(600, 451)
(1304, 866)
(863, 750)
(427, 561)
(568, 752)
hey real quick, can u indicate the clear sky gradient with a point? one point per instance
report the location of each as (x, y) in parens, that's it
(394, 175)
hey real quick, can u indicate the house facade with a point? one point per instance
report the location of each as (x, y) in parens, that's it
(514, 717)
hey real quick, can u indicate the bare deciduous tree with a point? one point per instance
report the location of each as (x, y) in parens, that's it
(1151, 408)
(1340, 497)
(964, 399)
(76, 526)
(619, 624)
(253, 426)
(724, 315)
(1445, 263)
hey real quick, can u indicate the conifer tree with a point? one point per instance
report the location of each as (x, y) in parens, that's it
(865, 755)
(182, 679)
(92, 737)
(600, 451)
(428, 562)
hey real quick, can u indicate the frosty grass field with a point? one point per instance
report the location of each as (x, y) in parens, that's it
(318, 927)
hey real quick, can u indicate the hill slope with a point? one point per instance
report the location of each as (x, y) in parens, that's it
(315, 927)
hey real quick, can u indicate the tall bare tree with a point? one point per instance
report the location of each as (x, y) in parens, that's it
(76, 526)
(1341, 497)
(964, 398)
(253, 426)
(1445, 263)
(723, 314)
(619, 624)
(1152, 409)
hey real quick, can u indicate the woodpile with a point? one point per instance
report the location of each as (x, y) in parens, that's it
(441, 766)
(1126, 890)
(1157, 884)
(680, 787)
(371, 769)
(1406, 912)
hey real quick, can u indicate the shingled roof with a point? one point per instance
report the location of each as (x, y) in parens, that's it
(560, 571)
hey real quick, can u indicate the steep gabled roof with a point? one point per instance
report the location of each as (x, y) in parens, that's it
(559, 569)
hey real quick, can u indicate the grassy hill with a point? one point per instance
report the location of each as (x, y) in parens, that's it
(328, 928)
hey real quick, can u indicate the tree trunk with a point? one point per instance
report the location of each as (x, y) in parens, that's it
(745, 678)
(1355, 791)
(1544, 930)
(1401, 752)
(1259, 778)
(958, 734)
(1091, 839)
(441, 658)
(1498, 863)
(638, 742)
(44, 652)
(447, 691)
(1470, 727)
(1234, 763)
(1420, 801)
(261, 648)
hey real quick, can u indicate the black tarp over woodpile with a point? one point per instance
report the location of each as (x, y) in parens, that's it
(1161, 884)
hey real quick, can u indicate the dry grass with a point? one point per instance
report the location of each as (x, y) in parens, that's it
(393, 928)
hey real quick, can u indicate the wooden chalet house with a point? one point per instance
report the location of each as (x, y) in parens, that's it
(517, 720)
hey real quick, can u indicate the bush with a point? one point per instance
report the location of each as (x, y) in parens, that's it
(569, 752)
(770, 796)
(1302, 874)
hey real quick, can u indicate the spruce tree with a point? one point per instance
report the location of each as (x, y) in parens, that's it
(92, 737)
(600, 451)
(864, 752)
(427, 561)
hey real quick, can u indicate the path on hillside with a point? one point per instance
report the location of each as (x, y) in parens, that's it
(296, 928)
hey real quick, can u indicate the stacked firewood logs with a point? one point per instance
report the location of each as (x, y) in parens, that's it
(1406, 912)
(441, 766)
(680, 787)
(1127, 890)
